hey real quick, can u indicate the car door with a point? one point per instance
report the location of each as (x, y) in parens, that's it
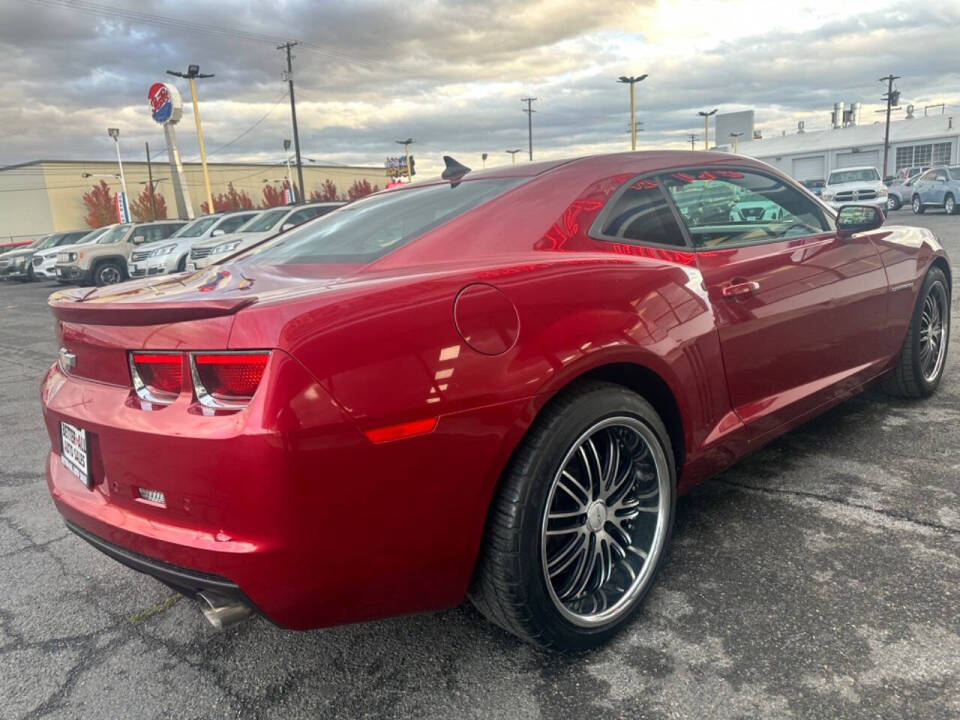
(922, 185)
(800, 312)
(938, 187)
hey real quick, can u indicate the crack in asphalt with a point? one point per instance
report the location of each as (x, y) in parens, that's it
(892, 514)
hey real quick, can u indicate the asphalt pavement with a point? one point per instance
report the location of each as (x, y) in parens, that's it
(817, 578)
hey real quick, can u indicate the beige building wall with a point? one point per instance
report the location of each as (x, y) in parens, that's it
(47, 196)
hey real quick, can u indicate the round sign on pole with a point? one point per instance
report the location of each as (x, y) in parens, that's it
(166, 105)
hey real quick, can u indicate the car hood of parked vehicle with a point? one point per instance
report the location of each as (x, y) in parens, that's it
(26, 252)
(855, 185)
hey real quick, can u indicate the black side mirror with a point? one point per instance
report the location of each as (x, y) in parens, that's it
(858, 218)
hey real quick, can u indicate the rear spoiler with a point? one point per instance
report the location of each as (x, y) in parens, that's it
(76, 310)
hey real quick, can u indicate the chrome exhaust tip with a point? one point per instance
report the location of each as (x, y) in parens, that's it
(221, 612)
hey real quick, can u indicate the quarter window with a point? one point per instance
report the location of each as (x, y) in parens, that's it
(722, 207)
(642, 214)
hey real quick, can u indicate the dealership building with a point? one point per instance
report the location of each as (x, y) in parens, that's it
(811, 155)
(45, 196)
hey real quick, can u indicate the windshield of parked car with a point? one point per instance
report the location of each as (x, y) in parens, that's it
(47, 242)
(848, 176)
(92, 235)
(196, 228)
(113, 235)
(364, 230)
(264, 221)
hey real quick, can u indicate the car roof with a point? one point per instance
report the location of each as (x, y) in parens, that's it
(859, 167)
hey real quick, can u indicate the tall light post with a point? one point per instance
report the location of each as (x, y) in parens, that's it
(632, 80)
(529, 111)
(115, 134)
(483, 158)
(736, 141)
(706, 126)
(513, 155)
(693, 139)
(193, 72)
(406, 148)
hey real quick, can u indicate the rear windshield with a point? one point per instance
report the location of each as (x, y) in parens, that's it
(848, 176)
(196, 228)
(364, 230)
(264, 221)
(113, 235)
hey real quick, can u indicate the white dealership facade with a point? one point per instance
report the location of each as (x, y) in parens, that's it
(917, 141)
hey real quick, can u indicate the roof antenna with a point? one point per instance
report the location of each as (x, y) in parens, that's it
(454, 171)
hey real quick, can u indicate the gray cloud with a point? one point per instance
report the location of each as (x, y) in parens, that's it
(449, 74)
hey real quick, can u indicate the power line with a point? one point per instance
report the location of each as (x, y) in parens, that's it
(249, 129)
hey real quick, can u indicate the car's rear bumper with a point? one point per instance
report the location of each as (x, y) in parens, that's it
(287, 500)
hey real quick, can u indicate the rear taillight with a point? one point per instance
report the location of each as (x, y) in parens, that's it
(227, 380)
(157, 377)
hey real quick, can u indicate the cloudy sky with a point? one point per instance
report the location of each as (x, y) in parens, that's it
(450, 73)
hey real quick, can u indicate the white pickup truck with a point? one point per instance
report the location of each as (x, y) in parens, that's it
(855, 186)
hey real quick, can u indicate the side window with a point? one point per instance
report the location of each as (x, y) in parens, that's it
(942, 175)
(642, 214)
(926, 176)
(740, 207)
(301, 216)
(231, 223)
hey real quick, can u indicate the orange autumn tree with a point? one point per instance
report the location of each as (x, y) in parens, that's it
(273, 195)
(99, 203)
(233, 199)
(361, 188)
(326, 193)
(141, 207)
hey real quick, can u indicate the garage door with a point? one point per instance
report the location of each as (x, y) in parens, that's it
(861, 159)
(810, 168)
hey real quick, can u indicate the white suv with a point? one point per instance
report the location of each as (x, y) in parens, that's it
(855, 186)
(171, 255)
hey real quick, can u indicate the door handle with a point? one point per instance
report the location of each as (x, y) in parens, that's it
(740, 289)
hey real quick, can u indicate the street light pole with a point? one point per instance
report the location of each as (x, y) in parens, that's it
(736, 143)
(286, 155)
(513, 155)
(693, 139)
(115, 134)
(892, 97)
(529, 111)
(406, 148)
(632, 80)
(193, 72)
(706, 127)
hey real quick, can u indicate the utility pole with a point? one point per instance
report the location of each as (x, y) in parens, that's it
(706, 127)
(193, 72)
(406, 148)
(632, 80)
(513, 155)
(153, 200)
(893, 98)
(293, 113)
(529, 111)
(736, 141)
(693, 139)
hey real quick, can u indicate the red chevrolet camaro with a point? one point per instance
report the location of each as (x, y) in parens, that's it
(494, 385)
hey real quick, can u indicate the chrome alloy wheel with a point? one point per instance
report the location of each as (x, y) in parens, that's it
(934, 328)
(605, 525)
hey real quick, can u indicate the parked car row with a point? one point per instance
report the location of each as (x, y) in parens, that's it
(119, 252)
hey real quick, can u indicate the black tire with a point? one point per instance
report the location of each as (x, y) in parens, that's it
(907, 378)
(916, 205)
(950, 204)
(182, 265)
(108, 272)
(893, 203)
(509, 585)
